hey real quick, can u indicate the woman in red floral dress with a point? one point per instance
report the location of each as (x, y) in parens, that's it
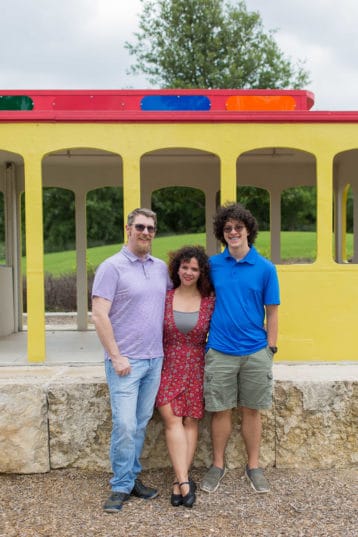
(188, 310)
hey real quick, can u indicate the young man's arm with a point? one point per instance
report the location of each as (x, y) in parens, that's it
(272, 324)
(100, 316)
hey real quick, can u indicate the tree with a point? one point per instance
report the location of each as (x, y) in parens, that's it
(58, 219)
(298, 206)
(181, 209)
(209, 44)
(105, 216)
(257, 200)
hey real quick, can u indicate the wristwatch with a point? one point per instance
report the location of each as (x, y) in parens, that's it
(273, 349)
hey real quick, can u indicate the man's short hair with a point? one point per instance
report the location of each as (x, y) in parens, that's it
(145, 212)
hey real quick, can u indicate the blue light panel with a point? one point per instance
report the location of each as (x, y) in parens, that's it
(175, 102)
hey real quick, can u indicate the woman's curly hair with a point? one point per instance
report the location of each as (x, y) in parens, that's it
(185, 254)
(235, 211)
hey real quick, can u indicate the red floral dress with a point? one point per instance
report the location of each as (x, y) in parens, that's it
(182, 377)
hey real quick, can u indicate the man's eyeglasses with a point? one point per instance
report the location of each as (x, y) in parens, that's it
(229, 229)
(142, 227)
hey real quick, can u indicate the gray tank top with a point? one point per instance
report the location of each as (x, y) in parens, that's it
(185, 321)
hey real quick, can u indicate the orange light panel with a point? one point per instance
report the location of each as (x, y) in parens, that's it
(260, 102)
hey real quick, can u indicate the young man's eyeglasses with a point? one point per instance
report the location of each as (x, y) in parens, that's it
(142, 227)
(229, 229)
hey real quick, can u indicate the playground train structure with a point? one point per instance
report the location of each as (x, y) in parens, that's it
(212, 140)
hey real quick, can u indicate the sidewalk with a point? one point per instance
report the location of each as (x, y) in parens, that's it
(70, 347)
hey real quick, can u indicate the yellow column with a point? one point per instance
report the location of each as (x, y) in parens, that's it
(324, 207)
(227, 177)
(34, 259)
(131, 183)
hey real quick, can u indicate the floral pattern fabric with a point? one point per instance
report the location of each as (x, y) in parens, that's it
(183, 367)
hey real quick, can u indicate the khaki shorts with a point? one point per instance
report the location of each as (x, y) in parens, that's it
(232, 381)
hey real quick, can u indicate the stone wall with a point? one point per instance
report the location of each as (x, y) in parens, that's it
(59, 417)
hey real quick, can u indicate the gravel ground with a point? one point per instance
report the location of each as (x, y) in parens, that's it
(68, 503)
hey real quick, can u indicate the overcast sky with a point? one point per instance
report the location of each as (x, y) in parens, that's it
(79, 44)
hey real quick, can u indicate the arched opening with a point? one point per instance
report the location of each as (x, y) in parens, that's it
(59, 249)
(298, 224)
(11, 186)
(104, 209)
(58, 219)
(105, 233)
(181, 214)
(2, 228)
(74, 173)
(289, 177)
(189, 168)
(180, 210)
(257, 200)
(345, 220)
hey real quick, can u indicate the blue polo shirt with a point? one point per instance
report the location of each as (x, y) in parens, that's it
(242, 290)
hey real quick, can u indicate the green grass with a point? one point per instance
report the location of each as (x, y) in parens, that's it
(62, 262)
(294, 246)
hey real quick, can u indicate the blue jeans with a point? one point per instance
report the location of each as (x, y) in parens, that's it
(132, 402)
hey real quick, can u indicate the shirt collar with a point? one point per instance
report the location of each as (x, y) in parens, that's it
(250, 257)
(132, 257)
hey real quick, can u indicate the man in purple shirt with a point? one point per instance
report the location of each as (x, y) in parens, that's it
(128, 298)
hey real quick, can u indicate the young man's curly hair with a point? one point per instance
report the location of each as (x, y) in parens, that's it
(234, 211)
(185, 254)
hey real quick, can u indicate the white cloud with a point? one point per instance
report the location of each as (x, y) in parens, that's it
(68, 44)
(324, 33)
(72, 44)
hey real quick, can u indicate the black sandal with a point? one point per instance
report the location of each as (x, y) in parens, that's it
(189, 499)
(176, 499)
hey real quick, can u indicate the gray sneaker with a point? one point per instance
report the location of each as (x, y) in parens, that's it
(212, 478)
(257, 480)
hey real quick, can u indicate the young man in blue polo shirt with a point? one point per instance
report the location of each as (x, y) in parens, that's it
(242, 342)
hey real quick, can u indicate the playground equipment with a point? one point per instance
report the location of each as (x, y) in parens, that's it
(213, 140)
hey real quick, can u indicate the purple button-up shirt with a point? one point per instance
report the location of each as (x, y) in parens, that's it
(137, 288)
